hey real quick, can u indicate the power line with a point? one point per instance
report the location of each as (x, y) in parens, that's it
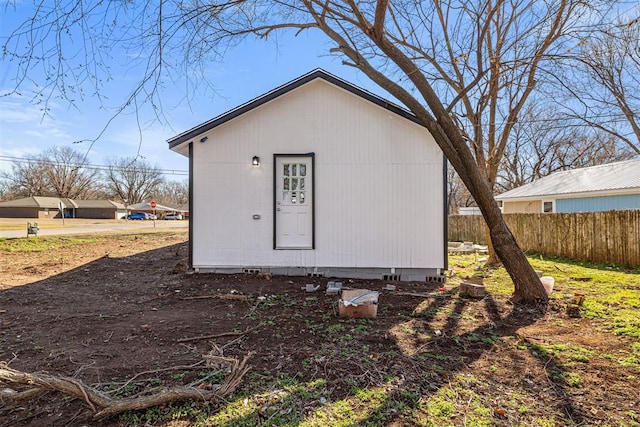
(27, 160)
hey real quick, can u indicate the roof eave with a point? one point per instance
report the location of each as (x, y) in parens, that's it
(598, 193)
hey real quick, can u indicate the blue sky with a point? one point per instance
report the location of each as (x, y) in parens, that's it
(246, 71)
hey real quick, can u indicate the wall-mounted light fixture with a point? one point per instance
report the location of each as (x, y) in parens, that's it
(255, 161)
(204, 138)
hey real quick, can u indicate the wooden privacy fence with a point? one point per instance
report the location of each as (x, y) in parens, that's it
(612, 236)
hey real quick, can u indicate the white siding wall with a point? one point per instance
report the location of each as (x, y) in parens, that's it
(378, 185)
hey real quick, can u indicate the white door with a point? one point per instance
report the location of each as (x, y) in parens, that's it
(294, 202)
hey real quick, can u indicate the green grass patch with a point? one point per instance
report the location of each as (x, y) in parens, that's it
(440, 408)
(40, 244)
(572, 379)
(573, 353)
(627, 323)
(611, 292)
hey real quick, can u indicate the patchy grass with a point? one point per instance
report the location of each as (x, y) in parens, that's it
(612, 300)
(431, 358)
(41, 244)
(611, 293)
(23, 225)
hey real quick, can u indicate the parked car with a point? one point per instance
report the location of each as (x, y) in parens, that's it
(151, 216)
(173, 216)
(138, 215)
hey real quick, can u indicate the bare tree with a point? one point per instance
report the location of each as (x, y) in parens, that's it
(131, 180)
(542, 143)
(58, 171)
(609, 96)
(4, 189)
(172, 193)
(25, 179)
(66, 173)
(465, 68)
(457, 194)
(473, 65)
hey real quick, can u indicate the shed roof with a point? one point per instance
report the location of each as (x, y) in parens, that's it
(619, 177)
(281, 90)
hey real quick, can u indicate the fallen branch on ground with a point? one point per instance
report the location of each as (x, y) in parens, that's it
(139, 374)
(103, 405)
(224, 334)
(236, 297)
(429, 295)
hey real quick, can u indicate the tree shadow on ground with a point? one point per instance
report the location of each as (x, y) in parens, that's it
(115, 317)
(493, 330)
(603, 266)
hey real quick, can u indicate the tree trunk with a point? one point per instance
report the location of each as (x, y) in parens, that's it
(527, 285)
(493, 260)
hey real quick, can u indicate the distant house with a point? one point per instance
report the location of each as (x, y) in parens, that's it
(41, 207)
(147, 207)
(96, 209)
(317, 177)
(183, 210)
(31, 207)
(613, 186)
(159, 210)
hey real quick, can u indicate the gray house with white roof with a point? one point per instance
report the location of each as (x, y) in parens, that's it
(613, 186)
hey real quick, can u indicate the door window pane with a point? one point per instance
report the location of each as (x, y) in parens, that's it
(294, 183)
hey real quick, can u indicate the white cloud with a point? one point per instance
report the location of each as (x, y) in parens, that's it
(152, 146)
(18, 118)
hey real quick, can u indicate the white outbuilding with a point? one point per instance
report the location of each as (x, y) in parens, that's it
(317, 178)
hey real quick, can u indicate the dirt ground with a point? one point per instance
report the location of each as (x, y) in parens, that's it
(113, 308)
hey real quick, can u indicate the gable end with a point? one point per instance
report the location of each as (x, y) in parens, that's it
(279, 91)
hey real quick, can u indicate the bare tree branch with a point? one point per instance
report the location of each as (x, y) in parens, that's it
(465, 68)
